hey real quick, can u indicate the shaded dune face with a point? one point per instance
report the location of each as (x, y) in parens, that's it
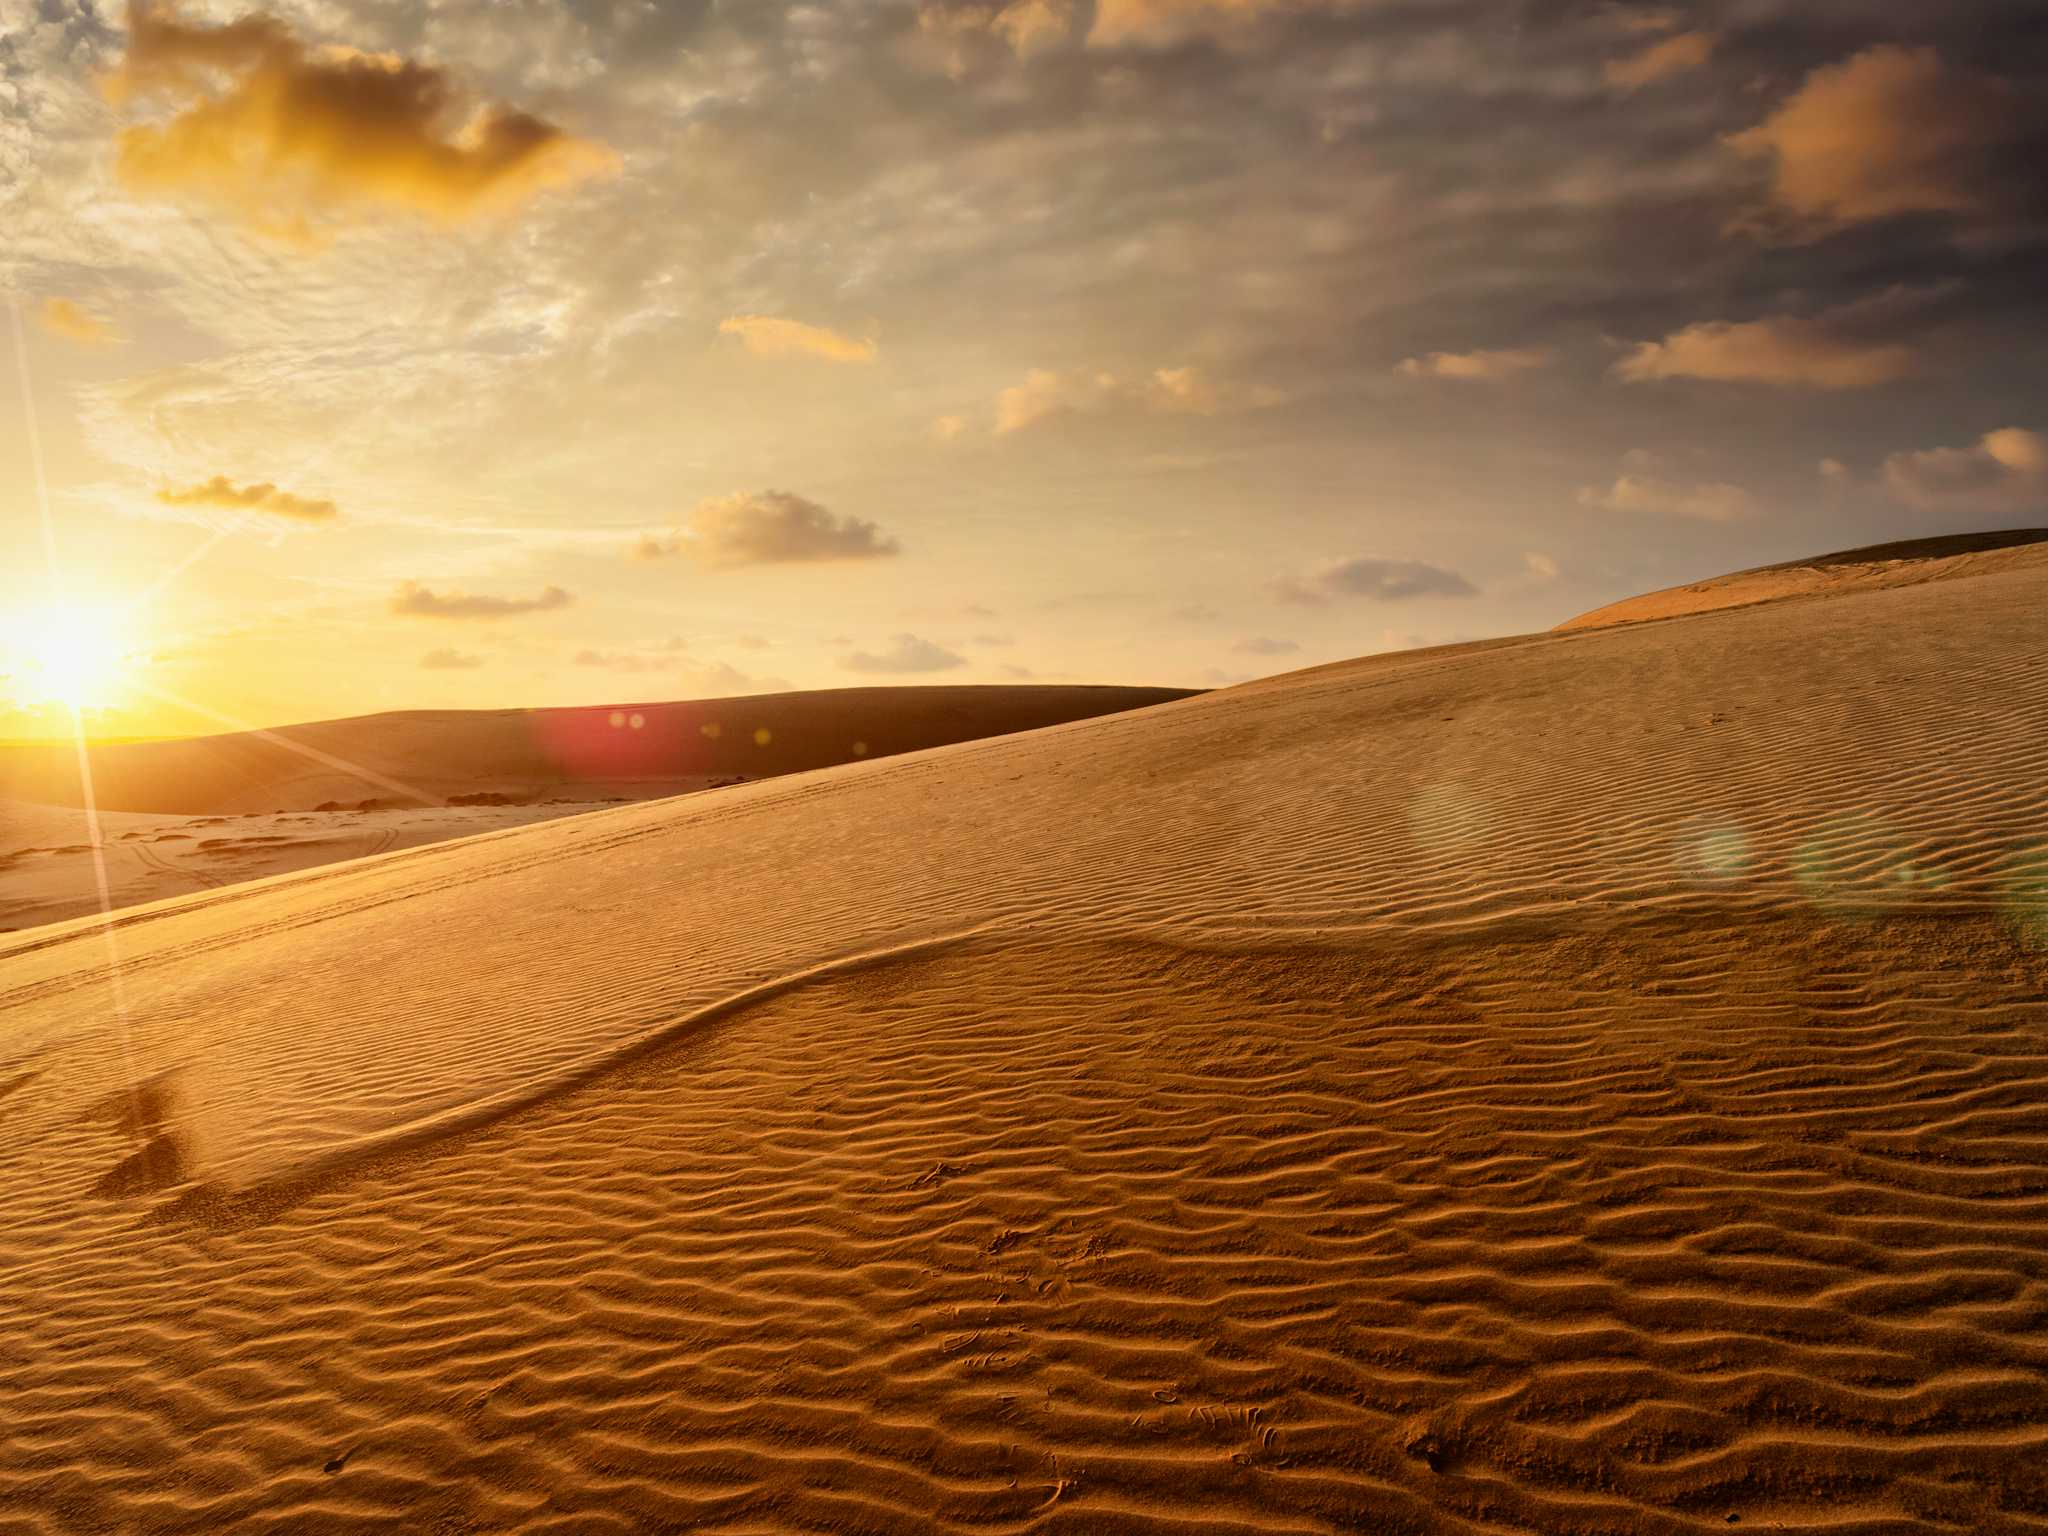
(1594, 1084)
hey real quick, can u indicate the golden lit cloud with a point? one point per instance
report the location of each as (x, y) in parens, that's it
(768, 528)
(1716, 502)
(74, 322)
(1787, 351)
(1662, 59)
(1470, 366)
(288, 136)
(2005, 471)
(223, 495)
(1160, 21)
(772, 336)
(1893, 131)
(1045, 394)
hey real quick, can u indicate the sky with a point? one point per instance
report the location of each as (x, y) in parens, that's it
(492, 353)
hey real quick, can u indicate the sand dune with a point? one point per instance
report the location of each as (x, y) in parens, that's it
(1595, 1083)
(638, 751)
(199, 814)
(1878, 566)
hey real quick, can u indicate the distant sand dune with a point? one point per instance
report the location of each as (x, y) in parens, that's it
(638, 751)
(1595, 1083)
(1852, 570)
(181, 816)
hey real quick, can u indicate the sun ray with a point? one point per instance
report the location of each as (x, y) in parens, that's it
(117, 990)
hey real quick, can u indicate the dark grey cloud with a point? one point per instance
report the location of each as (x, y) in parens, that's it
(1385, 581)
(904, 654)
(769, 528)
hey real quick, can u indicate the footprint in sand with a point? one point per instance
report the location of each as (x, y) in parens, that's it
(149, 1114)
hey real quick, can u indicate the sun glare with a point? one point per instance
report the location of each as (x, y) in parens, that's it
(74, 654)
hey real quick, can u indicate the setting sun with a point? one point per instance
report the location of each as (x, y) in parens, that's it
(74, 654)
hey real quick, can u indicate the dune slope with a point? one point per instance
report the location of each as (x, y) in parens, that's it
(343, 789)
(1878, 566)
(1593, 1084)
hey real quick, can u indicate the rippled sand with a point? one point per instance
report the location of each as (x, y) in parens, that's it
(1591, 1083)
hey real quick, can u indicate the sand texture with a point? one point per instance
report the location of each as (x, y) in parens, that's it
(1596, 1083)
(50, 869)
(182, 816)
(1852, 570)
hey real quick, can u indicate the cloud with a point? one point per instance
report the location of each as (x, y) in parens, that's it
(1543, 567)
(222, 494)
(1661, 60)
(1793, 352)
(768, 528)
(1263, 646)
(1713, 503)
(1380, 580)
(72, 321)
(1184, 390)
(286, 136)
(1044, 394)
(415, 601)
(1895, 131)
(1119, 22)
(614, 661)
(769, 336)
(1027, 27)
(447, 659)
(1475, 365)
(905, 653)
(2005, 471)
(1032, 27)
